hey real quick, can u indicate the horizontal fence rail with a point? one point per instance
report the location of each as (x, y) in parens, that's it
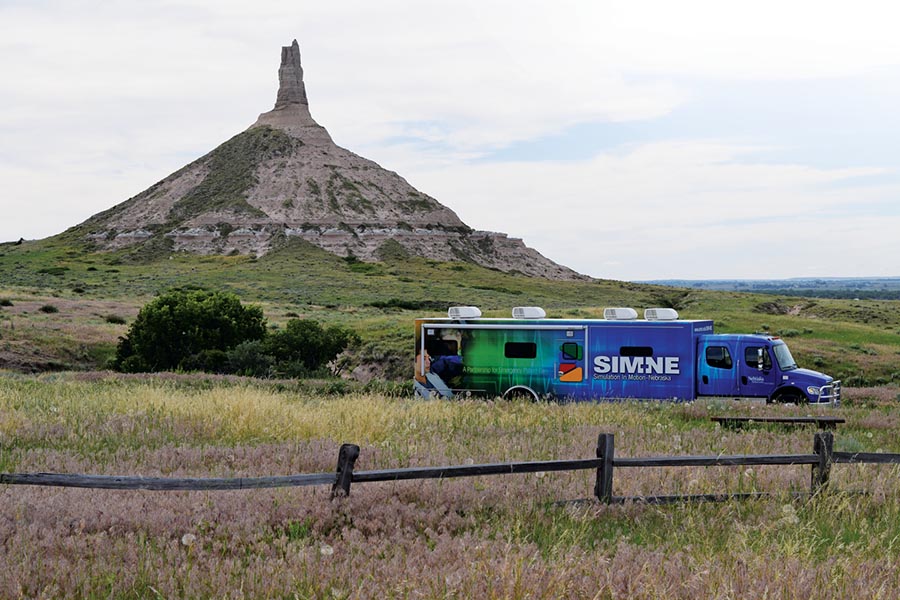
(116, 482)
(718, 461)
(475, 470)
(820, 461)
(867, 457)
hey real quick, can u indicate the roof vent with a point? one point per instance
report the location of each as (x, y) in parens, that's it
(464, 312)
(661, 314)
(619, 314)
(528, 312)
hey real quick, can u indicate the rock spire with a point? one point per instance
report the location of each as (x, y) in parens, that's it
(290, 78)
(291, 112)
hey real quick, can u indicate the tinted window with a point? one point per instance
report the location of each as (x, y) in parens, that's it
(635, 351)
(441, 347)
(520, 350)
(751, 357)
(718, 357)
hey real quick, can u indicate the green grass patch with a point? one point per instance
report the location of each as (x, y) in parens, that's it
(856, 341)
(232, 172)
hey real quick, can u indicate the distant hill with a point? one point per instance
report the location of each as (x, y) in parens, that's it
(284, 178)
(873, 288)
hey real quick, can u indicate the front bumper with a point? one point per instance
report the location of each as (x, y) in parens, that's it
(830, 393)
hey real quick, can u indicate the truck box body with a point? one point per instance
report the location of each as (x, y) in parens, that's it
(595, 359)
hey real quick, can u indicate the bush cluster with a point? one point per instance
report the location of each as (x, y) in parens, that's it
(200, 330)
(303, 348)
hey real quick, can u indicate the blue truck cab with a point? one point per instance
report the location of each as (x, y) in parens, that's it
(660, 357)
(758, 366)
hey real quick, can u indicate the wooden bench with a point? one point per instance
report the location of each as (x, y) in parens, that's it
(823, 422)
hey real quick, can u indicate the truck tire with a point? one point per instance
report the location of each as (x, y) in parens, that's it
(789, 396)
(520, 392)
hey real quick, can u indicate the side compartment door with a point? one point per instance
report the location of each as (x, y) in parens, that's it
(572, 374)
(753, 380)
(717, 368)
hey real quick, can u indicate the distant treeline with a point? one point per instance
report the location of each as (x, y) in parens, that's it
(838, 294)
(849, 288)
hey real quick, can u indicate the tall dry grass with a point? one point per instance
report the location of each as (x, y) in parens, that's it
(491, 537)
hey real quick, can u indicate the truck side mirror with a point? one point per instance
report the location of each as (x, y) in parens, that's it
(760, 354)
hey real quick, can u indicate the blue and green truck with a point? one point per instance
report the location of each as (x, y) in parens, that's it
(659, 357)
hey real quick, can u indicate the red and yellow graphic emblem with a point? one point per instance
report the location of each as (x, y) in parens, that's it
(570, 372)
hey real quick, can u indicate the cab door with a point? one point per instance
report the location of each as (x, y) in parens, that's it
(756, 371)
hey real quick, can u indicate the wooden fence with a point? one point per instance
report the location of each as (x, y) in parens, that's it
(820, 460)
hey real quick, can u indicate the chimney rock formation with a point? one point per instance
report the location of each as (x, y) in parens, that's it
(290, 78)
(284, 177)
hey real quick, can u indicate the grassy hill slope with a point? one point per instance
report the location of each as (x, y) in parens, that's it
(856, 340)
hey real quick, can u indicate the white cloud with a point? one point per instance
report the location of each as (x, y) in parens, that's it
(102, 99)
(679, 210)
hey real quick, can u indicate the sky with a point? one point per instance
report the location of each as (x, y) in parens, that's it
(628, 140)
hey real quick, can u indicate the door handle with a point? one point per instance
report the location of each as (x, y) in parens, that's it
(743, 380)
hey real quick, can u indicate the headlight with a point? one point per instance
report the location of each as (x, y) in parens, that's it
(813, 391)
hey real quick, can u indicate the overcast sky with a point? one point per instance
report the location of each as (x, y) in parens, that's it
(628, 140)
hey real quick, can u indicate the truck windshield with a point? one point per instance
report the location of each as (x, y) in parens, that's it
(784, 358)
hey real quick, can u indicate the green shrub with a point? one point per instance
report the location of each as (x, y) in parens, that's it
(5, 302)
(305, 348)
(49, 309)
(115, 319)
(250, 359)
(407, 304)
(174, 329)
(208, 361)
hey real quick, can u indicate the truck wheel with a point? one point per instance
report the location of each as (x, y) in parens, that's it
(790, 397)
(520, 392)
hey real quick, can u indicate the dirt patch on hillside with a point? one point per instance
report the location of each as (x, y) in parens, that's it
(783, 308)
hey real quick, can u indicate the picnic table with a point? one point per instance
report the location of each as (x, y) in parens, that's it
(822, 422)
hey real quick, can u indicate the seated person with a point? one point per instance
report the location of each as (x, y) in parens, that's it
(447, 367)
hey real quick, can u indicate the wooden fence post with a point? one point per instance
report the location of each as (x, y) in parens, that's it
(823, 445)
(606, 451)
(346, 460)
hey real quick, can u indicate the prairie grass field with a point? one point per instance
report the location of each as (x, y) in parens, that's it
(63, 308)
(515, 536)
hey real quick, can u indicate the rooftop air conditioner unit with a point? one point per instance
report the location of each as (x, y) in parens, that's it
(661, 314)
(619, 314)
(528, 312)
(464, 312)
